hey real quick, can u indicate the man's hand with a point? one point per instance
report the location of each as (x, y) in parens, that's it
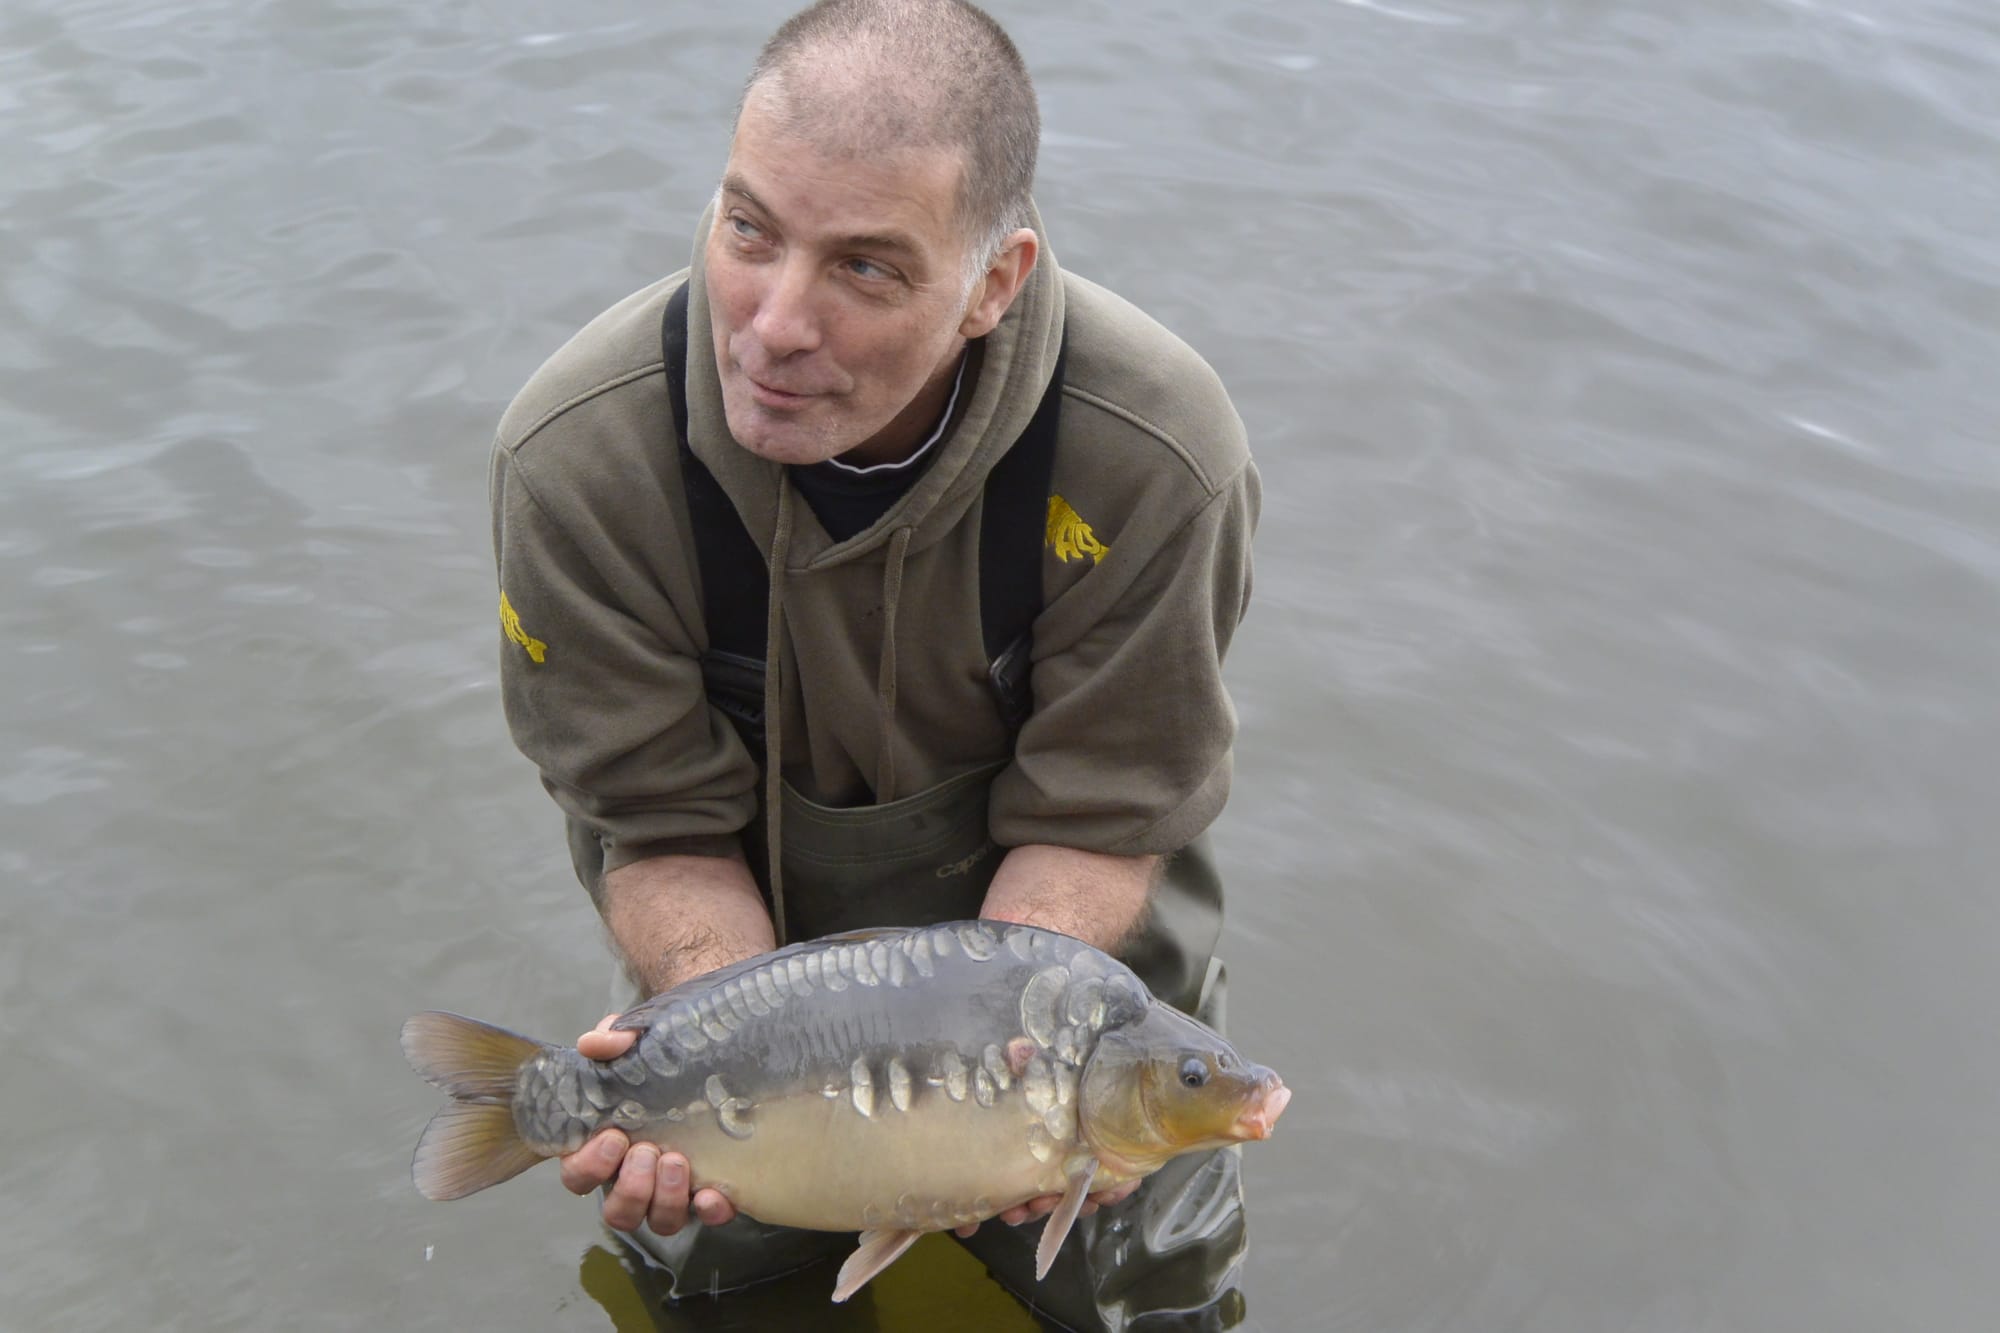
(673, 918)
(650, 1186)
(1046, 1204)
(1101, 900)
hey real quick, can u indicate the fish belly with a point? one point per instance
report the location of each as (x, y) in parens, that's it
(815, 1161)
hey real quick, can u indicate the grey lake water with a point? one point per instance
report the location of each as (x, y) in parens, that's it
(1615, 845)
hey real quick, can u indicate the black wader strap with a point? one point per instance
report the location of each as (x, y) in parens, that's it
(1013, 525)
(736, 581)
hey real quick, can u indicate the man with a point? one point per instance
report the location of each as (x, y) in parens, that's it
(758, 530)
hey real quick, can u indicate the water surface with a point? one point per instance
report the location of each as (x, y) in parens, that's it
(1613, 848)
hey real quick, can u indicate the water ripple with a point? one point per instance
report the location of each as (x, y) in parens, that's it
(1617, 717)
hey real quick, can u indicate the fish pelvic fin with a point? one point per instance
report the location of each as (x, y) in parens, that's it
(878, 1249)
(473, 1142)
(1056, 1229)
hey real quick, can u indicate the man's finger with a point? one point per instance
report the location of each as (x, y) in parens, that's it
(601, 1043)
(713, 1208)
(669, 1212)
(1046, 1204)
(595, 1162)
(1032, 1209)
(632, 1193)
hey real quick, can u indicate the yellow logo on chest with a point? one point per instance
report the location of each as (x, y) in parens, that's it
(1069, 536)
(510, 620)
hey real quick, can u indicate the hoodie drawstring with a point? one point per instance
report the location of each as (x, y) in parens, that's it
(885, 685)
(885, 680)
(774, 656)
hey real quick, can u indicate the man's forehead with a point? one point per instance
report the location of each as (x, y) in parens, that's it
(902, 198)
(860, 228)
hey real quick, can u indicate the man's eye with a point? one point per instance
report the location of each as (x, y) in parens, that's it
(867, 268)
(744, 228)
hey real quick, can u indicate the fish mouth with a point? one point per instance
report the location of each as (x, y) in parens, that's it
(1261, 1116)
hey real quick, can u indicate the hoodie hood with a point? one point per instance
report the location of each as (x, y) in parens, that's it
(1013, 364)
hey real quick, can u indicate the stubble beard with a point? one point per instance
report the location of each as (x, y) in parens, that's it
(796, 440)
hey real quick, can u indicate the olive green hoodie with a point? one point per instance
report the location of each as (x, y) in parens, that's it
(1145, 571)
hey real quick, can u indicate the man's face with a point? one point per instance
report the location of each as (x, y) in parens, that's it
(834, 290)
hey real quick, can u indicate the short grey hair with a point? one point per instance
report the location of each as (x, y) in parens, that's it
(920, 74)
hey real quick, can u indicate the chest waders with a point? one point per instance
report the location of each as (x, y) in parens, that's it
(929, 857)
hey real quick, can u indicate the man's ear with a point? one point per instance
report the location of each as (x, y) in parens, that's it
(995, 292)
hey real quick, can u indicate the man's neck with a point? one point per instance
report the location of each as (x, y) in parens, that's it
(913, 425)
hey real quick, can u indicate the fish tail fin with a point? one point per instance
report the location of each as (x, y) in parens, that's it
(469, 1059)
(468, 1146)
(472, 1142)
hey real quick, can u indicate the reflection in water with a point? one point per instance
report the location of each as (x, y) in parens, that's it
(1150, 1254)
(1153, 1259)
(937, 1285)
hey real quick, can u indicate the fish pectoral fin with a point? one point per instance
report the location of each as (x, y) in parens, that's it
(878, 1249)
(1056, 1229)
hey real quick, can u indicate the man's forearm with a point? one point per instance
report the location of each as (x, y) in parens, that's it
(1098, 898)
(676, 917)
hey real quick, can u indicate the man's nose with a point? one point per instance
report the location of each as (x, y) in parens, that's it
(787, 322)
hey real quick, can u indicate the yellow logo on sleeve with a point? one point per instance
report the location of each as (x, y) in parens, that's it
(510, 620)
(1069, 536)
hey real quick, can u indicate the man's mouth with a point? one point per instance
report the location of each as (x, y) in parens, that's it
(770, 395)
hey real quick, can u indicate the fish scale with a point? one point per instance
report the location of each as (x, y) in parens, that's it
(893, 1081)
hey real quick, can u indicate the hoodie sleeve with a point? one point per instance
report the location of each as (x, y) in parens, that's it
(600, 673)
(1128, 749)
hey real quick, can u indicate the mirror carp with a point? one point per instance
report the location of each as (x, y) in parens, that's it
(890, 1082)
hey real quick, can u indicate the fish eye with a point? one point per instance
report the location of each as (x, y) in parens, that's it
(1194, 1073)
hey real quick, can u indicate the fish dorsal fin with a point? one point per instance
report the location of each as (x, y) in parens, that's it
(1056, 1229)
(647, 1013)
(864, 933)
(878, 1249)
